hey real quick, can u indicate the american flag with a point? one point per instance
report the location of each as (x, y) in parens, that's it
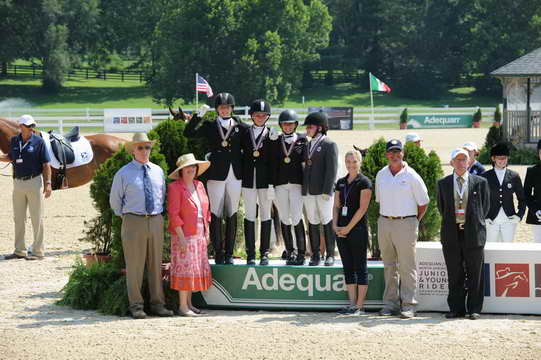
(203, 86)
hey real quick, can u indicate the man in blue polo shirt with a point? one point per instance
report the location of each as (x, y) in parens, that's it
(31, 170)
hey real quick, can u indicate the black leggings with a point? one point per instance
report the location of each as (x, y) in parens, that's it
(353, 254)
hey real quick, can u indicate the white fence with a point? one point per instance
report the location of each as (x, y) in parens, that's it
(93, 118)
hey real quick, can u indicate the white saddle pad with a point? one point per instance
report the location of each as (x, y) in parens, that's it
(81, 148)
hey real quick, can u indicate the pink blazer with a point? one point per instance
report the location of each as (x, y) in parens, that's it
(182, 209)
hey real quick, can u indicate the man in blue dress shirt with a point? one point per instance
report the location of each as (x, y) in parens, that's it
(137, 195)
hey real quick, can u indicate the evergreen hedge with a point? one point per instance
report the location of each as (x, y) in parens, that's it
(517, 156)
(428, 166)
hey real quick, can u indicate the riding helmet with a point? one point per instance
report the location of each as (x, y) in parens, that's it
(224, 98)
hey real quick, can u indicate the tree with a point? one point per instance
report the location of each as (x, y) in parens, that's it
(250, 48)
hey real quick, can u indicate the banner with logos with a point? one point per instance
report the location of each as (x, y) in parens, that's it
(512, 278)
(127, 120)
(438, 121)
(286, 287)
(340, 118)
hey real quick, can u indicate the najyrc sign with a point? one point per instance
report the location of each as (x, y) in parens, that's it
(512, 276)
(439, 121)
(286, 287)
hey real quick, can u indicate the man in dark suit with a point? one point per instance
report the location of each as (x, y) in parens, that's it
(532, 190)
(464, 203)
(320, 168)
(502, 218)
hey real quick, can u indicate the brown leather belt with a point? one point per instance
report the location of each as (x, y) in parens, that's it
(398, 217)
(142, 215)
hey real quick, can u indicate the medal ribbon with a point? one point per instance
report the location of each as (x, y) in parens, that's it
(287, 152)
(220, 130)
(314, 146)
(261, 137)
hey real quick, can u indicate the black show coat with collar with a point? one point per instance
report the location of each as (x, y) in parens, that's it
(288, 173)
(221, 158)
(261, 163)
(532, 191)
(476, 212)
(502, 195)
(319, 178)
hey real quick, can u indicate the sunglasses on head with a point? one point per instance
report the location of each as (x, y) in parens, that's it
(144, 147)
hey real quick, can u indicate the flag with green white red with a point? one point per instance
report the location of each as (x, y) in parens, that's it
(378, 85)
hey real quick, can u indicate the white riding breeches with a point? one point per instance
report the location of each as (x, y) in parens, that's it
(224, 194)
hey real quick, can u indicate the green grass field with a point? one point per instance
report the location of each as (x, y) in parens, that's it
(98, 93)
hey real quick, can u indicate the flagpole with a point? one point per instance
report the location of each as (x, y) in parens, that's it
(371, 124)
(196, 93)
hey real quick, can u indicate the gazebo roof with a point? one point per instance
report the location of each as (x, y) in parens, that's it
(527, 65)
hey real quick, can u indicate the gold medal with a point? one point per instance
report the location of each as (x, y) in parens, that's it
(256, 153)
(225, 143)
(287, 159)
(308, 162)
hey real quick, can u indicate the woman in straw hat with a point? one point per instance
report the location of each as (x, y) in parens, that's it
(189, 217)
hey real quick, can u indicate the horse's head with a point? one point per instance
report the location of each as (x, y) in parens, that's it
(8, 129)
(362, 151)
(179, 115)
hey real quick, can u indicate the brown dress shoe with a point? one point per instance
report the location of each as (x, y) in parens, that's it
(13, 256)
(138, 313)
(161, 311)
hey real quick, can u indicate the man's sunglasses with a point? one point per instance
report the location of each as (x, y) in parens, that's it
(146, 147)
(29, 126)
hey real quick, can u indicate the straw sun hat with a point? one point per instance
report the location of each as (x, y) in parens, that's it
(138, 138)
(188, 160)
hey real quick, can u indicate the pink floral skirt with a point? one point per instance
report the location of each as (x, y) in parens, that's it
(190, 269)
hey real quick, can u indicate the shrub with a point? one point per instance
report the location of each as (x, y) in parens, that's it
(427, 166)
(517, 156)
(404, 116)
(478, 115)
(497, 115)
(87, 285)
(173, 143)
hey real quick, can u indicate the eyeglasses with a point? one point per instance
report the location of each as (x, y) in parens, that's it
(146, 147)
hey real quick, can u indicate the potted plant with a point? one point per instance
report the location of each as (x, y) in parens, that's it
(477, 116)
(497, 117)
(404, 119)
(98, 233)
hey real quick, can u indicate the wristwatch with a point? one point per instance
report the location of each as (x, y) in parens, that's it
(48, 182)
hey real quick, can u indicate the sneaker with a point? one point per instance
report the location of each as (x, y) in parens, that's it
(138, 313)
(407, 314)
(359, 312)
(347, 310)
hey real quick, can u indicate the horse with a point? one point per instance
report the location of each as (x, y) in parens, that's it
(179, 115)
(104, 146)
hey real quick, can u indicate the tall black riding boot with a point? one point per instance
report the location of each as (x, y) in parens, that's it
(330, 243)
(230, 237)
(288, 241)
(249, 240)
(215, 230)
(265, 242)
(301, 243)
(313, 233)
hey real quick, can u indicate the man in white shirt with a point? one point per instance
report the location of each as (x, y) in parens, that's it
(403, 199)
(502, 218)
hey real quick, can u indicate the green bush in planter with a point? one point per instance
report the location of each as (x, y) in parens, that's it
(478, 115)
(427, 166)
(404, 116)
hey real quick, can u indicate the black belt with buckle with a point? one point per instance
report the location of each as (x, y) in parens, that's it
(460, 226)
(398, 217)
(27, 177)
(142, 215)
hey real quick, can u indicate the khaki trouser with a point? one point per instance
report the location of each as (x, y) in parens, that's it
(142, 241)
(28, 194)
(397, 240)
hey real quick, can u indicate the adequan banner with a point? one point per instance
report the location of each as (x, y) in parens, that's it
(438, 121)
(286, 287)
